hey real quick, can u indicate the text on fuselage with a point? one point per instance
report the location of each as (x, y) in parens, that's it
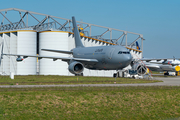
(98, 50)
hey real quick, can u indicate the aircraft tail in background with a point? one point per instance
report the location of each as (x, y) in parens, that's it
(137, 46)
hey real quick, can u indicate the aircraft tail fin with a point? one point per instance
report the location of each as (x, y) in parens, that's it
(137, 46)
(78, 42)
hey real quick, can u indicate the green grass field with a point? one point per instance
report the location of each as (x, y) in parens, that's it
(52, 79)
(157, 103)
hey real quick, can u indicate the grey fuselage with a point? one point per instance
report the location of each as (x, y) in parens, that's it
(109, 57)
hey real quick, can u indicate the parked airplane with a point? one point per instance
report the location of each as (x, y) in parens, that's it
(168, 65)
(94, 58)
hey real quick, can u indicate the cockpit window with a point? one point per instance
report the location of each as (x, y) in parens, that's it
(119, 52)
(123, 52)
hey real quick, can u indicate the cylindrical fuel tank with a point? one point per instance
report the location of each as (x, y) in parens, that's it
(57, 40)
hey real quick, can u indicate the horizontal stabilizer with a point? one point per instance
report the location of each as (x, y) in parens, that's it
(58, 51)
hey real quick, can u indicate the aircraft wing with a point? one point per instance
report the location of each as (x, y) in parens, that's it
(59, 51)
(55, 58)
(163, 61)
(159, 59)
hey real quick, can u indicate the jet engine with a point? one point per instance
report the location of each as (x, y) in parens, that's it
(76, 67)
(140, 68)
(19, 59)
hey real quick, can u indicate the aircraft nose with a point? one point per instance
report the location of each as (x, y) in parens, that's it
(128, 59)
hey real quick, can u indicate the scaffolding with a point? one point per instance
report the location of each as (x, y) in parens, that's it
(28, 20)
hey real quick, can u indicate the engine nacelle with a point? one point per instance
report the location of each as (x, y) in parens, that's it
(76, 67)
(19, 59)
(140, 68)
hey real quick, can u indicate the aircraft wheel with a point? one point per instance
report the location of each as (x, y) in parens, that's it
(114, 75)
(176, 73)
(166, 73)
(79, 74)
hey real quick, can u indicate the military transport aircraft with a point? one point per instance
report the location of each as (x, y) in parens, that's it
(114, 57)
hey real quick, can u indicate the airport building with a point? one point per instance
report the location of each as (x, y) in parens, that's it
(36, 31)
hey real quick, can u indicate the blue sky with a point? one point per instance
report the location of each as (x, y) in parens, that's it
(157, 20)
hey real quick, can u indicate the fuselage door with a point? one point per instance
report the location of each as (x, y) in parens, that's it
(110, 53)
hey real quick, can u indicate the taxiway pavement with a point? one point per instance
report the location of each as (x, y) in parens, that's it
(167, 81)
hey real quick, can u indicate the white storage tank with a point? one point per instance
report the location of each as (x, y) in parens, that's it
(27, 44)
(5, 63)
(57, 40)
(19, 42)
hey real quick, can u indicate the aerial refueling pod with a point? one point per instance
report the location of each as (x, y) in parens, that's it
(140, 68)
(19, 59)
(76, 67)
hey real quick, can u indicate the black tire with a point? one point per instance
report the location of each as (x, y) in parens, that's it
(79, 74)
(166, 73)
(114, 75)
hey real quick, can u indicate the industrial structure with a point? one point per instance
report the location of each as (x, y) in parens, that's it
(33, 31)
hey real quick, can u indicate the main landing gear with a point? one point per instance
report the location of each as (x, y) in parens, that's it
(166, 73)
(115, 75)
(79, 74)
